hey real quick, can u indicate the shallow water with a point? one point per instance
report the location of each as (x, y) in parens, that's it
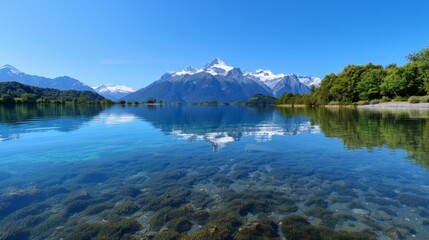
(169, 172)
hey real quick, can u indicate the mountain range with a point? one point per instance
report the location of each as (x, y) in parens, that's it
(217, 81)
(9, 73)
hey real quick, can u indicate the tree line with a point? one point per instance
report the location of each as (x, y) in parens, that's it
(370, 83)
(14, 92)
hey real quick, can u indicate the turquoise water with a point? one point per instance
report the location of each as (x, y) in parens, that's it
(173, 172)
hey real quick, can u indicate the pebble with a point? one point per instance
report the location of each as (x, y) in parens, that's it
(376, 216)
(384, 216)
(393, 234)
(360, 211)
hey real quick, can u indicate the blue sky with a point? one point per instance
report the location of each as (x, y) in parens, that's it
(135, 42)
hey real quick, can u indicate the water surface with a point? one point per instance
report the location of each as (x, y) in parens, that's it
(169, 172)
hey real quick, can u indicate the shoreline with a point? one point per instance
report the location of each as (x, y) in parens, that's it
(387, 105)
(395, 105)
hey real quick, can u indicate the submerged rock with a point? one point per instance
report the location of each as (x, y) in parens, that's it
(93, 177)
(384, 216)
(180, 224)
(413, 200)
(393, 234)
(296, 227)
(257, 230)
(15, 233)
(360, 211)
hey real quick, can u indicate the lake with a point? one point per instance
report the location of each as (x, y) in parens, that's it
(200, 172)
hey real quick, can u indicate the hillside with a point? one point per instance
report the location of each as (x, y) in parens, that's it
(9, 73)
(31, 94)
(259, 100)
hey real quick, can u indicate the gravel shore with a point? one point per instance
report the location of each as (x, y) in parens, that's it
(396, 105)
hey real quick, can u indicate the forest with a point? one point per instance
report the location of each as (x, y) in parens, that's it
(14, 92)
(371, 84)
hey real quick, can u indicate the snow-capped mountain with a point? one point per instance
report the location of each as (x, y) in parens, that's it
(113, 92)
(214, 67)
(217, 81)
(279, 83)
(307, 80)
(264, 75)
(9, 69)
(8, 73)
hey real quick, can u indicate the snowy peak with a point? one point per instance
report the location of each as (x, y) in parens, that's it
(191, 69)
(265, 75)
(112, 91)
(188, 71)
(217, 67)
(10, 68)
(214, 62)
(268, 77)
(214, 67)
(276, 83)
(113, 88)
(309, 81)
(217, 81)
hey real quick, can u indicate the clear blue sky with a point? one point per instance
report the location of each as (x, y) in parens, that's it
(135, 42)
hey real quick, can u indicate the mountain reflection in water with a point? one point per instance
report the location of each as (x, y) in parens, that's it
(199, 172)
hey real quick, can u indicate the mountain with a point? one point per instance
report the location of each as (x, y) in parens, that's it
(307, 80)
(9, 74)
(217, 81)
(280, 83)
(214, 67)
(113, 92)
(199, 87)
(17, 90)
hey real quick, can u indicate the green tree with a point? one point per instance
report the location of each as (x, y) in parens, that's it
(344, 88)
(7, 99)
(29, 97)
(393, 84)
(151, 101)
(420, 62)
(323, 94)
(413, 78)
(369, 84)
(312, 89)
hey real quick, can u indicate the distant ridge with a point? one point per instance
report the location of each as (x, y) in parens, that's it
(9, 73)
(112, 91)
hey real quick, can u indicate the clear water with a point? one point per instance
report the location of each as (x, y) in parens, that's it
(170, 172)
